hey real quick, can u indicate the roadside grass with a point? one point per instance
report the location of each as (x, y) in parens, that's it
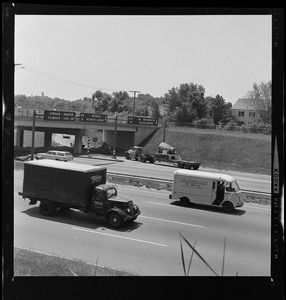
(218, 149)
(31, 263)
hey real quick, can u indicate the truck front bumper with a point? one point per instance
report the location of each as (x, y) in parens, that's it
(133, 217)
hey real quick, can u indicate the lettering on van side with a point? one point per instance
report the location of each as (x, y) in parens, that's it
(193, 183)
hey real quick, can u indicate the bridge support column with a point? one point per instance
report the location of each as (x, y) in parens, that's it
(19, 138)
(78, 143)
(48, 139)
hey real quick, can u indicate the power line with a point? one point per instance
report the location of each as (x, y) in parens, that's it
(55, 78)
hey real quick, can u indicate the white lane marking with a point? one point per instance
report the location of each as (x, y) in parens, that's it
(121, 237)
(169, 221)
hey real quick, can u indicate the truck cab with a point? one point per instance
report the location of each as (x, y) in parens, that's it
(106, 203)
(134, 152)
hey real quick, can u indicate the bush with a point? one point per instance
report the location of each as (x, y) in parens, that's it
(230, 126)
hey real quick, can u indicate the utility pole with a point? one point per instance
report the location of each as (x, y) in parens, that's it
(115, 138)
(164, 136)
(33, 135)
(133, 111)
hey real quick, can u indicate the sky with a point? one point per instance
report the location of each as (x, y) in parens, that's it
(70, 57)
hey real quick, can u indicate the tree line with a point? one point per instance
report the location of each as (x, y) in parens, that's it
(184, 104)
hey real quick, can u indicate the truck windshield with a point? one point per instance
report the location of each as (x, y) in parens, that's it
(111, 192)
(232, 186)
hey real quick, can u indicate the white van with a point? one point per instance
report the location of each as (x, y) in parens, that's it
(206, 188)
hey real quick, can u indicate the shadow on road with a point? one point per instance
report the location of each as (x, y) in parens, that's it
(80, 219)
(236, 212)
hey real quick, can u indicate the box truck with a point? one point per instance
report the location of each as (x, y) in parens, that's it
(57, 184)
(207, 188)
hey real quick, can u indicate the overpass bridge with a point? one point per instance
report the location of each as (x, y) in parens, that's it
(127, 134)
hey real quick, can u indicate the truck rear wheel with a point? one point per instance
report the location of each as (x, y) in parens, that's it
(114, 220)
(195, 167)
(47, 208)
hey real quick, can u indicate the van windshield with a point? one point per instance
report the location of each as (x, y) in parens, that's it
(232, 186)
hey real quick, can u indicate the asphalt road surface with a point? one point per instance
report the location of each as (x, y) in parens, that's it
(151, 244)
(246, 181)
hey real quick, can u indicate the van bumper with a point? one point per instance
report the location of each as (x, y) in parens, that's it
(240, 204)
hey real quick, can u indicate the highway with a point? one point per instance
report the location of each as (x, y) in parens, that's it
(151, 244)
(246, 181)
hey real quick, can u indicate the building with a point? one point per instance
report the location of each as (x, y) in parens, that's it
(244, 112)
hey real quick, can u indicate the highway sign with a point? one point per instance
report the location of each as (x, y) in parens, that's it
(142, 121)
(53, 115)
(88, 117)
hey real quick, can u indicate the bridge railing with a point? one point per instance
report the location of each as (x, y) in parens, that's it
(28, 113)
(122, 120)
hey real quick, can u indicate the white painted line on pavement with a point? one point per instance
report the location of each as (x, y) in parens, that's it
(169, 221)
(122, 237)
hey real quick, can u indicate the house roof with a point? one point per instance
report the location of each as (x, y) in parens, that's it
(243, 104)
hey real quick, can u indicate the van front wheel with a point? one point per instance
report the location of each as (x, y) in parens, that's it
(228, 206)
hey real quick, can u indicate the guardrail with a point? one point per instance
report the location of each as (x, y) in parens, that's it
(157, 183)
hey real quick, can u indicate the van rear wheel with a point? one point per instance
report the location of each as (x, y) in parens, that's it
(185, 201)
(228, 206)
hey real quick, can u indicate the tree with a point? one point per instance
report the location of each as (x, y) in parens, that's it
(155, 109)
(198, 100)
(219, 110)
(172, 98)
(261, 100)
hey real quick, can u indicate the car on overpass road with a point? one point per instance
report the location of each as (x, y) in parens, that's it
(57, 155)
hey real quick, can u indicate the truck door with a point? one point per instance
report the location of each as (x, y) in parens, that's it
(99, 200)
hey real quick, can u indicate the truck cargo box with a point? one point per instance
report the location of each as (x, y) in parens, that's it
(62, 182)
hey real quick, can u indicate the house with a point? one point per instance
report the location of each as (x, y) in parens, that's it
(244, 112)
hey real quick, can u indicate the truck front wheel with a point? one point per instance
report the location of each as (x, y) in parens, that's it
(114, 220)
(47, 208)
(127, 156)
